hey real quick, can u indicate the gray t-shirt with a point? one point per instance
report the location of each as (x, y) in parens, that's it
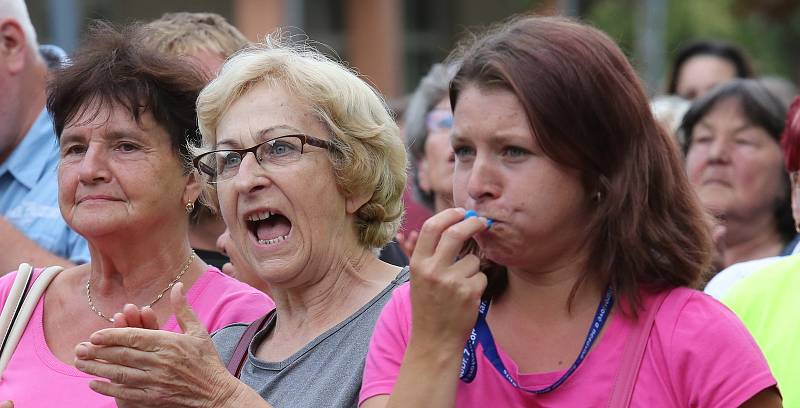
(325, 373)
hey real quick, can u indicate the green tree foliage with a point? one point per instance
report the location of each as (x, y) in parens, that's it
(768, 30)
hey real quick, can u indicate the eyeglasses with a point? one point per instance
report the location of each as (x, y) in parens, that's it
(439, 119)
(220, 165)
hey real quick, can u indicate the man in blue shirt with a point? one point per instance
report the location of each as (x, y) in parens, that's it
(31, 227)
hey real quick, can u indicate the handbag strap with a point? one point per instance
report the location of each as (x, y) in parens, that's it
(14, 302)
(240, 352)
(633, 354)
(23, 314)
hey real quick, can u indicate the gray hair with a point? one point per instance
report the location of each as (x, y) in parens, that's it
(431, 89)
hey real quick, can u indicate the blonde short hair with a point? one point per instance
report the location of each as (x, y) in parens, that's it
(185, 33)
(368, 158)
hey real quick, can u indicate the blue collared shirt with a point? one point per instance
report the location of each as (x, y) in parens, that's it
(29, 193)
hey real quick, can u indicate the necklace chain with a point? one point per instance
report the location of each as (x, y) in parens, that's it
(160, 295)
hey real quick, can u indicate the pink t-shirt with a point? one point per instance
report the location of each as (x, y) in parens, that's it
(36, 378)
(698, 355)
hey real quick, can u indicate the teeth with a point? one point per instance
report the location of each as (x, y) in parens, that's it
(259, 216)
(272, 241)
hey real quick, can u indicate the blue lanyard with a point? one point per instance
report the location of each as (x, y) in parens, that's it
(481, 334)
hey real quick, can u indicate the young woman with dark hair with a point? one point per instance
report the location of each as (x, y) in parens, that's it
(585, 223)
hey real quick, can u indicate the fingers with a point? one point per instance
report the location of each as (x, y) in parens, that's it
(407, 242)
(411, 243)
(149, 319)
(6, 404)
(454, 237)
(469, 268)
(141, 339)
(184, 314)
(120, 391)
(132, 315)
(433, 228)
(119, 321)
(115, 373)
(124, 356)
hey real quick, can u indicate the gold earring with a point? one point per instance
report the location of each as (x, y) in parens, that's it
(189, 208)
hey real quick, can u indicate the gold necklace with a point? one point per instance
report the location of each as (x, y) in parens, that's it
(160, 295)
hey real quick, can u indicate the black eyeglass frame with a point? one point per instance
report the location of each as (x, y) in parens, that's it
(304, 139)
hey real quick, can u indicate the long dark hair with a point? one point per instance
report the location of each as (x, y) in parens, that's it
(589, 112)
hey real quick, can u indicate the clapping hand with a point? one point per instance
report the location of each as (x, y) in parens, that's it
(157, 368)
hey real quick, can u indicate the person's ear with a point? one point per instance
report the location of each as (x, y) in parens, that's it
(354, 202)
(193, 188)
(13, 46)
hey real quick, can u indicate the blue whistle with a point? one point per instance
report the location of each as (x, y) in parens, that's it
(472, 213)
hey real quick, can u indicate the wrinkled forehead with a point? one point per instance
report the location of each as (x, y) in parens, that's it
(95, 112)
(266, 111)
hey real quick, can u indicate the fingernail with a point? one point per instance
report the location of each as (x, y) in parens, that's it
(96, 338)
(81, 351)
(470, 213)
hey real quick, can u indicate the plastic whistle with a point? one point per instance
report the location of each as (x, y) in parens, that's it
(472, 213)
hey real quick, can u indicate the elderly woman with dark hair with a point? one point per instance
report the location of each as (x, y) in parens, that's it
(124, 117)
(563, 277)
(767, 300)
(309, 170)
(735, 165)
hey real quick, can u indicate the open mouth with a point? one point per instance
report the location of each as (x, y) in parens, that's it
(269, 227)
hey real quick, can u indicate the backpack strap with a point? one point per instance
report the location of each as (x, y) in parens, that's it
(21, 312)
(240, 352)
(633, 354)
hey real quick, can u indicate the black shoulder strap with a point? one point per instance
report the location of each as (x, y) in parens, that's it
(240, 352)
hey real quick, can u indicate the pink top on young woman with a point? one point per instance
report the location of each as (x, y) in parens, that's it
(36, 378)
(699, 355)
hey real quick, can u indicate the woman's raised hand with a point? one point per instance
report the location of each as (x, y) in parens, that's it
(132, 316)
(445, 291)
(6, 404)
(407, 241)
(155, 368)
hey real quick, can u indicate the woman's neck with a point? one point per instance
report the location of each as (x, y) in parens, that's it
(538, 324)
(304, 312)
(751, 240)
(549, 294)
(122, 270)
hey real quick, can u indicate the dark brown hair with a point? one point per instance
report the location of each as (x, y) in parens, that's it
(112, 68)
(728, 52)
(589, 112)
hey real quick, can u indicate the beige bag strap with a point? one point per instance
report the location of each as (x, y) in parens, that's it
(14, 302)
(21, 312)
